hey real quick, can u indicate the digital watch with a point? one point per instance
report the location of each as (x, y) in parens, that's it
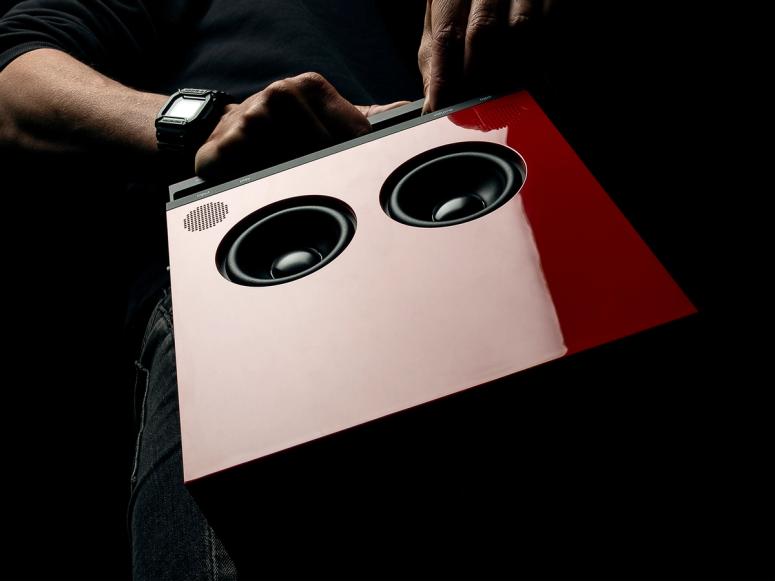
(188, 117)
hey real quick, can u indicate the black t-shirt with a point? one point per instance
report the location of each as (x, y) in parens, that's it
(365, 48)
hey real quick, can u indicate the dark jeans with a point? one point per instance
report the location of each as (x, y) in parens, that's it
(170, 537)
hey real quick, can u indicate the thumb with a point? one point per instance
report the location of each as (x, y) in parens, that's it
(369, 110)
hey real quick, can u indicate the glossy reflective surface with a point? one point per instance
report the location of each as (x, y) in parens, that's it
(404, 315)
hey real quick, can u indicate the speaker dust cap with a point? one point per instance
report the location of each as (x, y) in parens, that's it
(285, 241)
(452, 184)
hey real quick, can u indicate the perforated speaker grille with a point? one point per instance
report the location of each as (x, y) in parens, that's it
(205, 216)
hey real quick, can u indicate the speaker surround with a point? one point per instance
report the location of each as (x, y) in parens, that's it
(285, 241)
(453, 184)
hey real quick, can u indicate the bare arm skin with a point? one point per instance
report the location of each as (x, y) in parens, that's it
(50, 102)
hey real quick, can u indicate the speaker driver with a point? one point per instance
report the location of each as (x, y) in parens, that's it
(285, 241)
(452, 184)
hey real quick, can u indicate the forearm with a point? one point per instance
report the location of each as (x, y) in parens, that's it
(50, 102)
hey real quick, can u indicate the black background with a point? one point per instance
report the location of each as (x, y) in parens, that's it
(648, 458)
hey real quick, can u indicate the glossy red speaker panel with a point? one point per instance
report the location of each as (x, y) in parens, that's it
(401, 314)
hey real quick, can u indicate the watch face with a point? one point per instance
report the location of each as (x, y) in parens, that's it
(185, 108)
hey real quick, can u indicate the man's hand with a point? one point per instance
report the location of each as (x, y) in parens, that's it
(288, 119)
(473, 46)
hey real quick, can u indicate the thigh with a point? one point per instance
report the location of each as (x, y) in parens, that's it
(170, 537)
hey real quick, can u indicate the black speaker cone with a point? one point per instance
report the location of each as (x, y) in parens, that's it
(285, 241)
(459, 207)
(294, 262)
(452, 184)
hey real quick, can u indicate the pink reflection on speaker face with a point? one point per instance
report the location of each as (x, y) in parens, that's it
(604, 280)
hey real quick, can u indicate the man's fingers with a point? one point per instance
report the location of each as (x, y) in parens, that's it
(340, 117)
(289, 118)
(485, 35)
(369, 110)
(424, 53)
(271, 126)
(521, 13)
(449, 20)
(472, 46)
